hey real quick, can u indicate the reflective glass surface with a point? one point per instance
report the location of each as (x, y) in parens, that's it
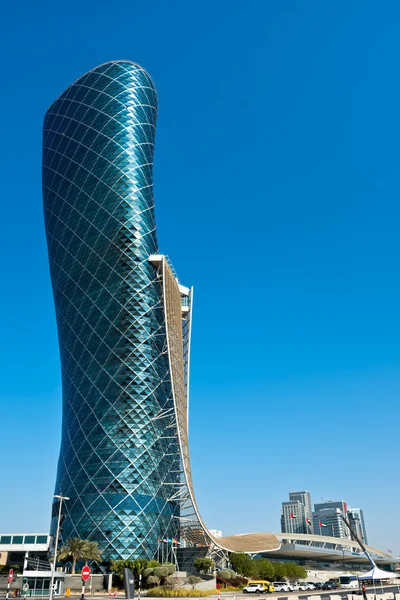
(41, 539)
(118, 464)
(29, 539)
(5, 539)
(17, 539)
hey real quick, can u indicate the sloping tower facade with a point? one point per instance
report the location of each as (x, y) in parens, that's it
(123, 324)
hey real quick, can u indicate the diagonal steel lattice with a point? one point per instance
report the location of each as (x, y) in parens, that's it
(124, 328)
(120, 461)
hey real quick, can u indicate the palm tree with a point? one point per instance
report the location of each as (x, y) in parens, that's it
(91, 551)
(73, 550)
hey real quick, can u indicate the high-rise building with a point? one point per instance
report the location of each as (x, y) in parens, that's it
(296, 515)
(123, 323)
(305, 499)
(327, 521)
(293, 519)
(341, 505)
(356, 519)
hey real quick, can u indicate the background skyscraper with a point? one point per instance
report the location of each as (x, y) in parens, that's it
(305, 498)
(296, 515)
(328, 513)
(124, 456)
(357, 522)
(339, 504)
(293, 518)
(327, 521)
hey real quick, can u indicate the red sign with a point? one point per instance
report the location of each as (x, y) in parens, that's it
(85, 573)
(10, 575)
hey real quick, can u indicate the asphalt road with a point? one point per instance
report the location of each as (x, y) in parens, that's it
(303, 595)
(230, 595)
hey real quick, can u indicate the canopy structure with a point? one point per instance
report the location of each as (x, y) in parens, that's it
(377, 574)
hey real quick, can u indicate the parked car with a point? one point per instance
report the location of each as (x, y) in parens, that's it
(318, 585)
(258, 587)
(330, 585)
(310, 585)
(282, 586)
(307, 586)
(254, 588)
(301, 586)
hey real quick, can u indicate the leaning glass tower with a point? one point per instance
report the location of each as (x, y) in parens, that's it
(123, 323)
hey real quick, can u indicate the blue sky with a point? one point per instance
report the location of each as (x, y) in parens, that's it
(276, 182)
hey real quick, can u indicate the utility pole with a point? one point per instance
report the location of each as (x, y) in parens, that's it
(53, 570)
(140, 584)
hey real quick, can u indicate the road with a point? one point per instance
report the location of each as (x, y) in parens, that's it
(303, 595)
(238, 595)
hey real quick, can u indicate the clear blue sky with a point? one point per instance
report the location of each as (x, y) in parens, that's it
(277, 196)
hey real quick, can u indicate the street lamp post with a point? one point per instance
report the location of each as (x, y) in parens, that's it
(53, 570)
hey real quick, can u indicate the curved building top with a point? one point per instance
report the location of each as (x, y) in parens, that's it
(107, 69)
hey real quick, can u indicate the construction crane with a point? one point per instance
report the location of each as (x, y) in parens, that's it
(355, 536)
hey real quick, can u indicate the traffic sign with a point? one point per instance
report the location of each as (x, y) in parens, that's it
(85, 573)
(10, 575)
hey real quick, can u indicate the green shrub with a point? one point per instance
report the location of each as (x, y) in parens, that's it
(153, 563)
(161, 572)
(295, 572)
(163, 592)
(147, 572)
(193, 580)
(263, 569)
(171, 581)
(6, 568)
(136, 566)
(238, 582)
(226, 574)
(242, 564)
(204, 565)
(154, 567)
(170, 566)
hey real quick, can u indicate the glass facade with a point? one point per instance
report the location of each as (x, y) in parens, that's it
(356, 517)
(120, 461)
(41, 539)
(305, 498)
(18, 539)
(293, 517)
(327, 521)
(30, 539)
(5, 539)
